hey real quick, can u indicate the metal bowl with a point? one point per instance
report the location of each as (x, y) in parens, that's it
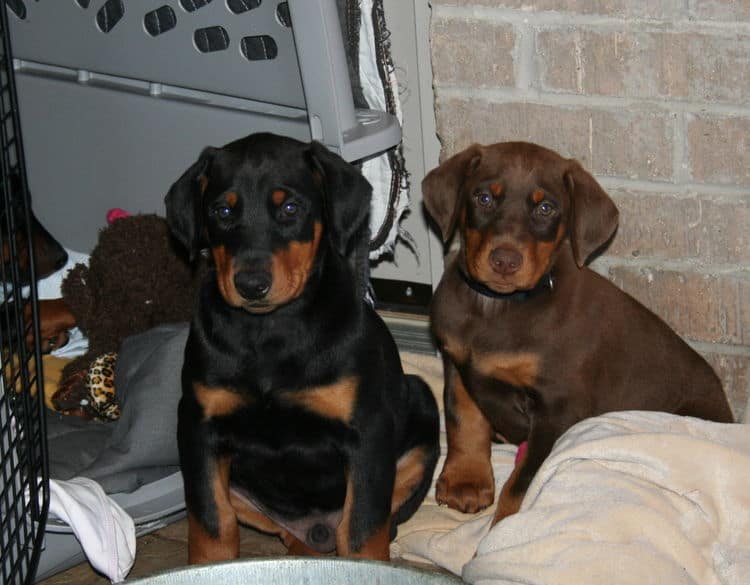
(298, 571)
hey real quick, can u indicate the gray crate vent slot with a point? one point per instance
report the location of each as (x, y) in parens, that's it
(83, 3)
(240, 6)
(109, 15)
(160, 20)
(193, 5)
(18, 8)
(259, 48)
(212, 38)
(283, 16)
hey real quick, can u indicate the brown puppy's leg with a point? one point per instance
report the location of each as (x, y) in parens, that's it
(207, 546)
(466, 482)
(543, 435)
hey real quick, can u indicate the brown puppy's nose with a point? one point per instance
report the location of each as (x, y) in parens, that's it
(505, 261)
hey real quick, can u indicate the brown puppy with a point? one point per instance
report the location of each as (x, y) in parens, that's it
(533, 341)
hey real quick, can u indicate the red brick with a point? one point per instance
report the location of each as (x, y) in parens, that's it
(472, 52)
(708, 229)
(711, 308)
(634, 143)
(632, 63)
(719, 148)
(730, 10)
(734, 371)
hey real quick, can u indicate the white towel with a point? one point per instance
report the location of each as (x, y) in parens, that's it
(49, 288)
(106, 532)
(627, 497)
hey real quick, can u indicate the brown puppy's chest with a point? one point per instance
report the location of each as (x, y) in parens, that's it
(499, 381)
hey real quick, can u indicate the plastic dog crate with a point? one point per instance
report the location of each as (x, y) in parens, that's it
(24, 487)
(118, 97)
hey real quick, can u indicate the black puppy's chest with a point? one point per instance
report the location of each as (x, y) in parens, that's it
(288, 456)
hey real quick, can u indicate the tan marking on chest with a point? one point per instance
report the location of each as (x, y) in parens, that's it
(457, 350)
(518, 369)
(333, 401)
(217, 401)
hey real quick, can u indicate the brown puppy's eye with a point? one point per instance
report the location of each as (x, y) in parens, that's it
(544, 209)
(484, 199)
(290, 208)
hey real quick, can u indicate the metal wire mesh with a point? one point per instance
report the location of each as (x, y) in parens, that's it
(24, 487)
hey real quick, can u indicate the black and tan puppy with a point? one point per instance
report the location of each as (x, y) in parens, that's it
(296, 417)
(532, 340)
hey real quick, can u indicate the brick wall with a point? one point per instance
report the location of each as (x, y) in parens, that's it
(654, 99)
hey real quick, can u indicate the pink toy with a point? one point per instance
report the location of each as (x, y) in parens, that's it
(521, 451)
(116, 213)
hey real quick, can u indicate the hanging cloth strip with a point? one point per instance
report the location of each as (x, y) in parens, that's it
(374, 86)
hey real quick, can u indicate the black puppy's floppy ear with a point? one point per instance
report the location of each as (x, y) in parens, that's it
(594, 215)
(184, 203)
(442, 185)
(347, 196)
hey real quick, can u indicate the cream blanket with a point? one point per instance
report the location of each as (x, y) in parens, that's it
(625, 498)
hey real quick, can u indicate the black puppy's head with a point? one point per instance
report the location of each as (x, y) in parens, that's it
(269, 208)
(17, 232)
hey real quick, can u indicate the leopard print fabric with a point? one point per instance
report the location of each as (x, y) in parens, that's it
(100, 381)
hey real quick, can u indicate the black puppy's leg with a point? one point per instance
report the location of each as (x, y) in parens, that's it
(213, 532)
(364, 531)
(416, 465)
(466, 482)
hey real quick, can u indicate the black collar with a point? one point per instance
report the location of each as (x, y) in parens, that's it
(545, 283)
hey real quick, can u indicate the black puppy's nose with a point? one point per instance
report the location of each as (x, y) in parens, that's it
(505, 261)
(252, 285)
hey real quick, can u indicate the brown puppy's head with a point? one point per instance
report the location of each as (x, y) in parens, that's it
(268, 207)
(515, 204)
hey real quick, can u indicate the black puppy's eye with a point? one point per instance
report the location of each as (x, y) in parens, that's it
(484, 199)
(290, 208)
(223, 211)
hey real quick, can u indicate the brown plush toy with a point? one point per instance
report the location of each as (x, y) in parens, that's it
(136, 279)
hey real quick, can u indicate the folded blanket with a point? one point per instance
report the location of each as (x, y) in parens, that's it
(631, 497)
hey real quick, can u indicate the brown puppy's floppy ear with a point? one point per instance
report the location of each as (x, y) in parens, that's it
(184, 203)
(442, 184)
(594, 215)
(346, 196)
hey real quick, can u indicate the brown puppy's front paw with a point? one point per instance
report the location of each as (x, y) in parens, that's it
(465, 488)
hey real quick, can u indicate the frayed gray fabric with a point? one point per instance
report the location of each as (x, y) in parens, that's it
(141, 446)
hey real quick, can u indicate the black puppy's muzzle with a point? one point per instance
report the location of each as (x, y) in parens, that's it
(253, 285)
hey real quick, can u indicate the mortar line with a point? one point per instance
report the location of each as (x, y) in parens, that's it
(555, 19)
(545, 98)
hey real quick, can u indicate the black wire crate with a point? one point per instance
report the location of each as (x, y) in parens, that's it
(24, 484)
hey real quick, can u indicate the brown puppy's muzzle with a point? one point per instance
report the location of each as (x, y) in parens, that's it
(505, 261)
